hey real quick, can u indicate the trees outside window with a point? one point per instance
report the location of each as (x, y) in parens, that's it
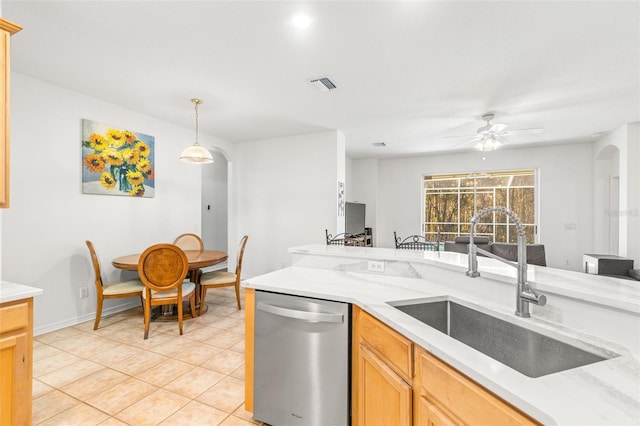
(450, 201)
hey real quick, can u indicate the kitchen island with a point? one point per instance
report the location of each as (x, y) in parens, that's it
(599, 313)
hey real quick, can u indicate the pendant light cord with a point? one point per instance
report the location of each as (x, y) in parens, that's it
(196, 102)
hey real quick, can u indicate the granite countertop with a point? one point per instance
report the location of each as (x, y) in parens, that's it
(12, 291)
(606, 392)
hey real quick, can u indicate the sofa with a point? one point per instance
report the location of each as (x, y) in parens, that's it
(509, 251)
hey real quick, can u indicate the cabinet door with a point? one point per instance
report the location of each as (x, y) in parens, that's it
(430, 415)
(6, 29)
(4, 112)
(384, 398)
(249, 327)
(15, 380)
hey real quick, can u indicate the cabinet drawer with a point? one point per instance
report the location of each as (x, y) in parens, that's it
(394, 348)
(14, 317)
(470, 402)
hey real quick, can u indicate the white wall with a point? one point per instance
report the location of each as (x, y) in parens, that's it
(565, 176)
(44, 231)
(286, 196)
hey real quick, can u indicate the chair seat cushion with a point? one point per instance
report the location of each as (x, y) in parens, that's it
(123, 287)
(217, 277)
(187, 288)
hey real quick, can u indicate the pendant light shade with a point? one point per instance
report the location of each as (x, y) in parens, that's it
(196, 153)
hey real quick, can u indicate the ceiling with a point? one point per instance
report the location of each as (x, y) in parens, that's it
(407, 73)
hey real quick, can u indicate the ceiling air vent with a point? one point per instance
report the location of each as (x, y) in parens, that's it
(379, 144)
(323, 84)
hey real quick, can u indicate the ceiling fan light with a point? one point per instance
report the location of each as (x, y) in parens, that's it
(488, 144)
(196, 154)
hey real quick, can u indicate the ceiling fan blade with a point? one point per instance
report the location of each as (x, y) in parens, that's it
(534, 131)
(497, 127)
(458, 136)
(476, 139)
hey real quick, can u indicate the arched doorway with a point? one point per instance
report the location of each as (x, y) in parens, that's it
(607, 201)
(215, 204)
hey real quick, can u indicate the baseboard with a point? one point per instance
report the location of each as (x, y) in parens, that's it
(83, 318)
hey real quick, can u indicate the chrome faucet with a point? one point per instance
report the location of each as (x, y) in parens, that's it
(524, 293)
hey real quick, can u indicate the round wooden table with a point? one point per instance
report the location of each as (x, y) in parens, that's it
(197, 259)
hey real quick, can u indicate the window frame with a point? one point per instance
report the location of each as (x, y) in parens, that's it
(487, 220)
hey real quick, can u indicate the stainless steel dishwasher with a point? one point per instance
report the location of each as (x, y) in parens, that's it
(301, 361)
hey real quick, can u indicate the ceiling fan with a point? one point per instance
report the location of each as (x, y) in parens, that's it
(491, 135)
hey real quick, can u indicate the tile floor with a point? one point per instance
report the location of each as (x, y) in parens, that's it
(113, 376)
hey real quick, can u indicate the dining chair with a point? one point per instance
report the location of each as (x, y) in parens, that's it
(114, 290)
(190, 242)
(339, 240)
(216, 279)
(163, 269)
(416, 242)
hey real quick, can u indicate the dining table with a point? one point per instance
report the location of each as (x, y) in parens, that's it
(197, 259)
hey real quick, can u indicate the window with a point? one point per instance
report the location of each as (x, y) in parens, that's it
(450, 201)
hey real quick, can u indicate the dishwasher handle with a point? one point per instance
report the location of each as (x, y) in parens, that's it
(301, 315)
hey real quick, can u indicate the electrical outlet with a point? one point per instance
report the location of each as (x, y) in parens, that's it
(84, 292)
(375, 265)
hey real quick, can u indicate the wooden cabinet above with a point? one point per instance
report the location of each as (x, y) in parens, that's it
(6, 30)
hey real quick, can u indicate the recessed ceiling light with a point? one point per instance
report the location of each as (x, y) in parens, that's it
(301, 20)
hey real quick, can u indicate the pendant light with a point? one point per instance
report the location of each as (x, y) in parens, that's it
(196, 153)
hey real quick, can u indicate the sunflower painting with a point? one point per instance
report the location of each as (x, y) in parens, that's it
(116, 161)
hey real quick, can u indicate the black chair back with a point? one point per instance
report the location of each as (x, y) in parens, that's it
(416, 242)
(338, 240)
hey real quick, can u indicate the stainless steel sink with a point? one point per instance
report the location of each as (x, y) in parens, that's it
(531, 353)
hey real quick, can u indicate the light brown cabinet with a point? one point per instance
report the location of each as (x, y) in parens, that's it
(382, 373)
(447, 397)
(397, 382)
(6, 30)
(16, 359)
(249, 339)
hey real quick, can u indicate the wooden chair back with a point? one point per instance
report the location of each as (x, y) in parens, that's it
(163, 267)
(243, 243)
(189, 242)
(96, 265)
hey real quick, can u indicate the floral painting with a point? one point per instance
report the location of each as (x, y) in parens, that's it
(116, 161)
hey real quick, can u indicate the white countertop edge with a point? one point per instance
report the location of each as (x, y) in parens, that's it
(539, 397)
(609, 291)
(10, 292)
